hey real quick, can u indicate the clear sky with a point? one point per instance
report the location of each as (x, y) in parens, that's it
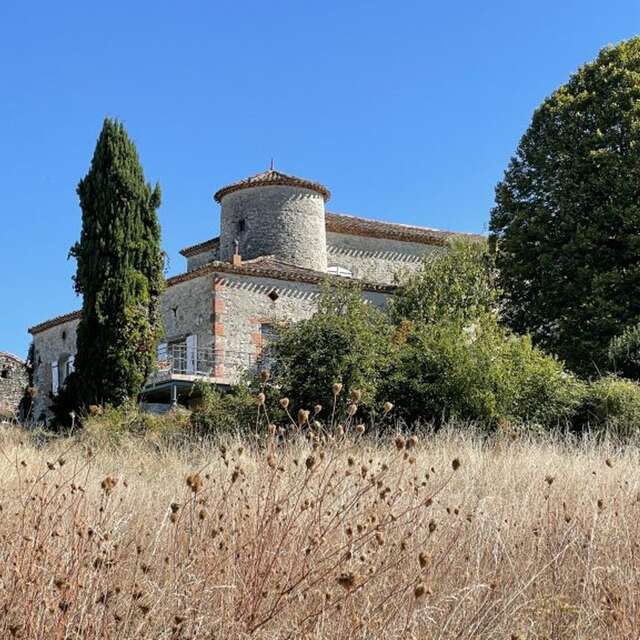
(408, 111)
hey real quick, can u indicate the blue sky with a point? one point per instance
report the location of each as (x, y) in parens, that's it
(408, 111)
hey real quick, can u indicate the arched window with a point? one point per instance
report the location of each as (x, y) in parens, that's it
(340, 271)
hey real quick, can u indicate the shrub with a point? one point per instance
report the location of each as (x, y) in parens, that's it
(624, 352)
(454, 285)
(346, 341)
(611, 404)
(220, 412)
(109, 425)
(476, 372)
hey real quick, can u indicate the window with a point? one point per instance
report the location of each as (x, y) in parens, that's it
(273, 295)
(5, 373)
(268, 337)
(241, 225)
(340, 271)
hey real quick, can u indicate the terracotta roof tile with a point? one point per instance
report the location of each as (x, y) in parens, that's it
(201, 247)
(43, 326)
(263, 267)
(354, 225)
(6, 354)
(357, 226)
(269, 267)
(272, 178)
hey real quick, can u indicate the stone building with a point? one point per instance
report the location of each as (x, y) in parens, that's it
(14, 379)
(277, 244)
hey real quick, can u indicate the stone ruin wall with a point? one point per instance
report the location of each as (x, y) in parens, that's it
(14, 379)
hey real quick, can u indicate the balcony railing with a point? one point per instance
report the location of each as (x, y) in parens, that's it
(181, 360)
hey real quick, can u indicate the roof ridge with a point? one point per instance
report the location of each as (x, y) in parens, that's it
(13, 356)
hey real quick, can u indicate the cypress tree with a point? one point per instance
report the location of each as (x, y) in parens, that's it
(119, 272)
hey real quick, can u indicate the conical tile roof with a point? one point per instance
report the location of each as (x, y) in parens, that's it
(270, 178)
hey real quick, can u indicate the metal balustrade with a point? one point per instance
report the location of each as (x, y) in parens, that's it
(180, 360)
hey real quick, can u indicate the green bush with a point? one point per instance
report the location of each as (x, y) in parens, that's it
(456, 284)
(220, 412)
(345, 341)
(624, 352)
(109, 425)
(476, 372)
(611, 404)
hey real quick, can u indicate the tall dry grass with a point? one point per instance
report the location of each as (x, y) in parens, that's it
(451, 536)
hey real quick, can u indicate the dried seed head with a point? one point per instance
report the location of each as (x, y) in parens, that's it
(310, 462)
(360, 428)
(108, 484)
(317, 409)
(419, 591)
(412, 442)
(455, 464)
(352, 409)
(284, 402)
(386, 407)
(271, 428)
(549, 480)
(194, 482)
(260, 399)
(347, 580)
(399, 442)
(356, 394)
(303, 416)
(422, 559)
(336, 388)
(265, 375)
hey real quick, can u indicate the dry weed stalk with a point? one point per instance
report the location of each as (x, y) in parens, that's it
(319, 536)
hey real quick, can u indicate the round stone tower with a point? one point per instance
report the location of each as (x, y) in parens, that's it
(272, 213)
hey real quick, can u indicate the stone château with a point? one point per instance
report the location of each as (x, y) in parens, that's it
(277, 244)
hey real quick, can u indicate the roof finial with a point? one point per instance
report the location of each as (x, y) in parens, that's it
(271, 167)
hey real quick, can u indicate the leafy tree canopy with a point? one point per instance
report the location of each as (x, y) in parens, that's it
(455, 284)
(566, 222)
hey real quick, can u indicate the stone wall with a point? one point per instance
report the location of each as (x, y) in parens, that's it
(186, 309)
(376, 260)
(14, 380)
(198, 259)
(287, 222)
(248, 308)
(55, 344)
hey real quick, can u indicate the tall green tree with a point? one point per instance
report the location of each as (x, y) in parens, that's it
(566, 222)
(456, 284)
(119, 272)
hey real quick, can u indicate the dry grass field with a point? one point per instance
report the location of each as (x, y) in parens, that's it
(449, 536)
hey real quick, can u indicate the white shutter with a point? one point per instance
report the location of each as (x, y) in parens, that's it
(71, 367)
(54, 377)
(192, 354)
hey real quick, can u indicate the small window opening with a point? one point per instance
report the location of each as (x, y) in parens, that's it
(273, 295)
(4, 373)
(64, 335)
(340, 271)
(241, 225)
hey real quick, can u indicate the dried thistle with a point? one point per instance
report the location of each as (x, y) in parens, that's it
(284, 402)
(336, 388)
(194, 482)
(108, 484)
